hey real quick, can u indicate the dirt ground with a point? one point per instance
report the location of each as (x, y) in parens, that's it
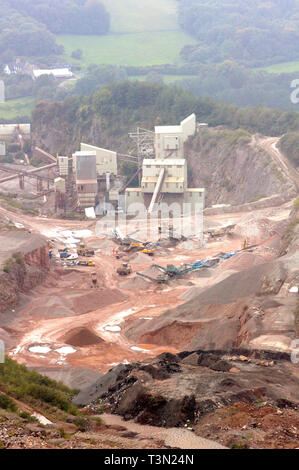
(69, 324)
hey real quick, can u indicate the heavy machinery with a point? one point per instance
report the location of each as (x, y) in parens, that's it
(139, 246)
(134, 247)
(85, 263)
(148, 251)
(171, 271)
(124, 270)
(160, 279)
(83, 251)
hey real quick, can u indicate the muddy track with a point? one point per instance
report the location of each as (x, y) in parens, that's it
(270, 145)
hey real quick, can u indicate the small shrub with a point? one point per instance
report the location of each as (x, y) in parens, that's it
(7, 403)
(28, 417)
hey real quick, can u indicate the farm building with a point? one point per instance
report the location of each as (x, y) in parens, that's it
(56, 73)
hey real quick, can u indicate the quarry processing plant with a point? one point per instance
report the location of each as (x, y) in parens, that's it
(163, 178)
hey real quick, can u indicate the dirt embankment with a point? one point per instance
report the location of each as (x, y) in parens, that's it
(193, 388)
(26, 268)
(234, 173)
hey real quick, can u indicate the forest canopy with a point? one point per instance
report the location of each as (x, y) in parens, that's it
(27, 28)
(252, 33)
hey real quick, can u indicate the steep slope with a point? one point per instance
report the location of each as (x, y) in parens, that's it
(234, 168)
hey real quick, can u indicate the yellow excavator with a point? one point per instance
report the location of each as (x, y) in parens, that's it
(148, 251)
(83, 251)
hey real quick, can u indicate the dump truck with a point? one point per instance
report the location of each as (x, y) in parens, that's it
(86, 263)
(124, 270)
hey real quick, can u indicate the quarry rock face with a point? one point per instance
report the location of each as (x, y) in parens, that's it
(235, 175)
(23, 274)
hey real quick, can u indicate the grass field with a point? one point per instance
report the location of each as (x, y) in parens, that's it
(129, 16)
(284, 67)
(18, 107)
(149, 48)
(142, 33)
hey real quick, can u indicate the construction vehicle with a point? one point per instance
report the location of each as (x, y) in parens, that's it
(134, 247)
(148, 251)
(160, 279)
(83, 251)
(124, 270)
(85, 263)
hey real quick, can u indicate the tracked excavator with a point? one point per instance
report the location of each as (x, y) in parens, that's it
(124, 270)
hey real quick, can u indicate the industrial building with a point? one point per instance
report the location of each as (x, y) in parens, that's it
(2, 149)
(59, 185)
(63, 73)
(164, 179)
(63, 165)
(106, 160)
(84, 164)
(103, 183)
(12, 130)
(169, 140)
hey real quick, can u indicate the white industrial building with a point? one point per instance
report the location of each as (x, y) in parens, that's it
(106, 160)
(59, 185)
(169, 140)
(2, 149)
(164, 179)
(9, 130)
(84, 166)
(104, 173)
(63, 165)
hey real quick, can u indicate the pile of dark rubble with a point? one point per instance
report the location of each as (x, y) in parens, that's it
(172, 390)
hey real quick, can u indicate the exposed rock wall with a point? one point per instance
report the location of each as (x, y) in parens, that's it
(236, 173)
(24, 274)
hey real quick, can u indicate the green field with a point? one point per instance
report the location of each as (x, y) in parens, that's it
(142, 33)
(128, 16)
(18, 107)
(283, 67)
(149, 48)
